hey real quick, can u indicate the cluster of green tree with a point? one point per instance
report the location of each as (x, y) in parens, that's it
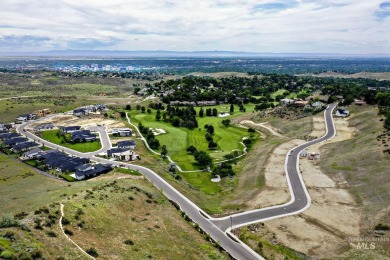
(149, 136)
(381, 226)
(231, 155)
(229, 90)
(209, 136)
(205, 161)
(209, 112)
(223, 170)
(185, 117)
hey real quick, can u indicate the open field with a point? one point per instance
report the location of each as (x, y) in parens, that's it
(361, 166)
(120, 204)
(52, 136)
(129, 210)
(24, 189)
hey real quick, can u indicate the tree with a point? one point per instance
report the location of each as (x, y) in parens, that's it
(208, 112)
(223, 170)
(201, 112)
(192, 149)
(215, 112)
(226, 122)
(136, 90)
(231, 108)
(208, 137)
(164, 151)
(149, 111)
(128, 107)
(123, 114)
(158, 115)
(164, 116)
(138, 107)
(143, 109)
(209, 128)
(212, 145)
(202, 158)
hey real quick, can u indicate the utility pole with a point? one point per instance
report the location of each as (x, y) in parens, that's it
(231, 223)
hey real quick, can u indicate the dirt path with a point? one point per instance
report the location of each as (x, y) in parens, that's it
(63, 232)
(332, 216)
(263, 125)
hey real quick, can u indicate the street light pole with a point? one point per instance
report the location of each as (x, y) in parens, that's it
(231, 223)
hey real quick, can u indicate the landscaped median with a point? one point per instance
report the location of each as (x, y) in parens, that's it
(55, 137)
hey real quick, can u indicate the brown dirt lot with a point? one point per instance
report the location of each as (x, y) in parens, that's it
(68, 120)
(333, 215)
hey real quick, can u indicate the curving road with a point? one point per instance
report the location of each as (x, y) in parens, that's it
(219, 229)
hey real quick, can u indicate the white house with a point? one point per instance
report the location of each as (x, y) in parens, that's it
(318, 104)
(122, 132)
(32, 154)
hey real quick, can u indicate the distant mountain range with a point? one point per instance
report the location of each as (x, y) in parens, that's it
(154, 54)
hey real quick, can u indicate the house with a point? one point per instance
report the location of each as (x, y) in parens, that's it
(44, 112)
(286, 101)
(32, 154)
(122, 132)
(89, 170)
(7, 136)
(342, 113)
(83, 136)
(126, 144)
(126, 156)
(113, 151)
(182, 103)
(17, 148)
(44, 127)
(206, 103)
(303, 153)
(61, 162)
(26, 117)
(69, 129)
(123, 154)
(300, 103)
(360, 102)
(318, 104)
(80, 112)
(14, 141)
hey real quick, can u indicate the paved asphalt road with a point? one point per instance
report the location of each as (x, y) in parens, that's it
(300, 199)
(217, 228)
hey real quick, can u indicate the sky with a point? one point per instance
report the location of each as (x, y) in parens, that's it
(295, 26)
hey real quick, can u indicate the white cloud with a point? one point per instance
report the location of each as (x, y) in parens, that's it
(345, 26)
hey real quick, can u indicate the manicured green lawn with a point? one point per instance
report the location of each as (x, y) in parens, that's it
(52, 136)
(179, 139)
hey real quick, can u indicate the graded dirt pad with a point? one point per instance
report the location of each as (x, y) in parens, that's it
(276, 189)
(332, 217)
(70, 120)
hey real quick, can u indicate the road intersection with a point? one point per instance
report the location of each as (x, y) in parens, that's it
(219, 228)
